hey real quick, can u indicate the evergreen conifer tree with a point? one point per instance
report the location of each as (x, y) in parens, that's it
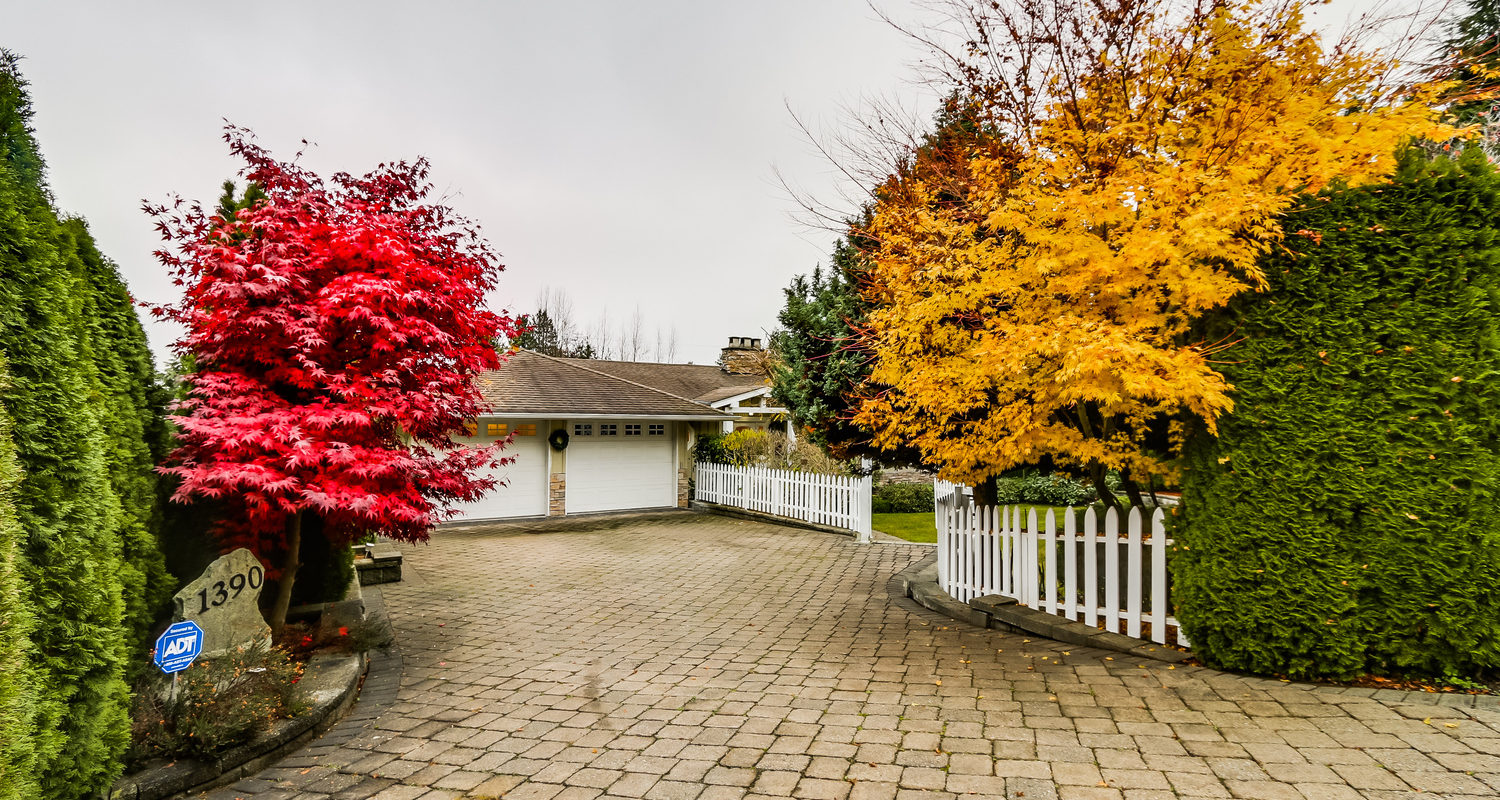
(1473, 41)
(83, 501)
(17, 693)
(132, 411)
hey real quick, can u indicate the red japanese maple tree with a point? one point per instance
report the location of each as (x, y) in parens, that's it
(336, 329)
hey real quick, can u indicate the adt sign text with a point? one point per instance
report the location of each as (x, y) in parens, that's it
(178, 646)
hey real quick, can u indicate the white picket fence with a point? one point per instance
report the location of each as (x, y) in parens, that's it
(1089, 576)
(946, 496)
(833, 500)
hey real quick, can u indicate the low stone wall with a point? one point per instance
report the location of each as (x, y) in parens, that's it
(328, 686)
(382, 565)
(756, 516)
(905, 475)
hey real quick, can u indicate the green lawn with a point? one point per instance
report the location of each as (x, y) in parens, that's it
(920, 528)
(911, 527)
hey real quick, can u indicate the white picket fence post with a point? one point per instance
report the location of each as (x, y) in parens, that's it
(985, 550)
(864, 503)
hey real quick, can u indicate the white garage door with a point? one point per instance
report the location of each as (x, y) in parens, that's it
(620, 465)
(524, 492)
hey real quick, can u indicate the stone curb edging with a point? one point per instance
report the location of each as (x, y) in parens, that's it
(593, 522)
(756, 516)
(1002, 613)
(919, 582)
(329, 684)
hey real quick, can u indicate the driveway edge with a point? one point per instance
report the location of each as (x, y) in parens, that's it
(919, 582)
(756, 516)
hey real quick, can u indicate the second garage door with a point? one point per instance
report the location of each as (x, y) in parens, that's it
(620, 465)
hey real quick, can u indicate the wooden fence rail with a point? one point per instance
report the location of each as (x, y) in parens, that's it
(834, 500)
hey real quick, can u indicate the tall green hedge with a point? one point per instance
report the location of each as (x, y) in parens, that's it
(1346, 519)
(133, 404)
(78, 399)
(17, 699)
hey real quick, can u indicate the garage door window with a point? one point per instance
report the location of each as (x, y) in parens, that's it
(583, 430)
(529, 429)
(495, 429)
(608, 429)
(632, 430)
(658, 430)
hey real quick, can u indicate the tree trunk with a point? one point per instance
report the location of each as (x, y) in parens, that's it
(985, 491)
(289, 568)
(1132, 489)
(1097, 476)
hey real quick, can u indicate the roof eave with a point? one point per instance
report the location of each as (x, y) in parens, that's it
(496, 412)
(759, 391)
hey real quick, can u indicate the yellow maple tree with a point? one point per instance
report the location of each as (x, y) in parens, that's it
(1035, 300)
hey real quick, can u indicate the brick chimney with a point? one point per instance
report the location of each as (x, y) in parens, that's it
(743, 356)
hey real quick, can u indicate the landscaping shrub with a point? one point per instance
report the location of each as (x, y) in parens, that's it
(1047, 490)
(220, 702)
(748, 447)
(808, 456)
(752, 447)
(902, 498)
(327, 566)
(709, 447)
(1344, 519)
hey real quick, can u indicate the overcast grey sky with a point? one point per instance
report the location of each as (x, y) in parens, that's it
(623, 151)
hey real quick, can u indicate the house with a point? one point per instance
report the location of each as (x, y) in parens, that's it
(740, 385)
(591, 436)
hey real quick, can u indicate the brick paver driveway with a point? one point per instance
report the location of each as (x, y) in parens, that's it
(689, 656)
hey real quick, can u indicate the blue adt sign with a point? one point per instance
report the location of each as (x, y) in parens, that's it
(178, 646)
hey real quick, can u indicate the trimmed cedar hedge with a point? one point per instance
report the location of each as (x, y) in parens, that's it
(17, 684)
(1344, 521)
(78, 518)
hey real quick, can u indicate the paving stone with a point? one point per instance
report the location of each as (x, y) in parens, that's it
(1262, 790)
(873, 790)
(923, 778)
(1368, 777)
(1135, 779)
(673, 790)
(1328, 791)
(1194, 785)
(1088, 793)
(398, 793)
(1302, 773)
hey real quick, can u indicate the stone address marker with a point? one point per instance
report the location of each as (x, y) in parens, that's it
(224, 601)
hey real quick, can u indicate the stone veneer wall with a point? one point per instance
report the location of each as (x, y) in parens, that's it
(906, 475)
(683, 477)
(557, 493)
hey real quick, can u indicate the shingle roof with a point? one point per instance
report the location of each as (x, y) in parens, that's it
(533, 384)
(703, 383)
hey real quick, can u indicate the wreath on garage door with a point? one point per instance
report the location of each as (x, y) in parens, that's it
(558, 439)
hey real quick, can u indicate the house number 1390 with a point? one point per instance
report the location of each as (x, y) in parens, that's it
(220, 593)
